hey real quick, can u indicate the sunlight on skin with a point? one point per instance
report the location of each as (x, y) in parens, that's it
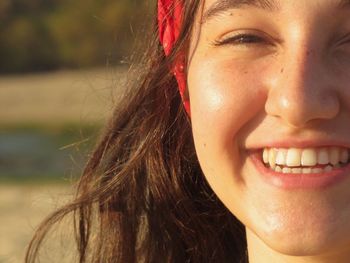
(259, 76)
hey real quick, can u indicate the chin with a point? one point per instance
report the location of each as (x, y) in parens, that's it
(307, 242)
(304, 246)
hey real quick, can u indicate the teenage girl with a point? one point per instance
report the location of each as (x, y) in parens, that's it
(232, 145)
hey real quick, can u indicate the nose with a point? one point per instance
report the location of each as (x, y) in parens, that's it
(304, 90)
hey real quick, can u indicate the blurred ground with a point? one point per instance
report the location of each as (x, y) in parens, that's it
(44, 118)
(22, 207)
(59, 97)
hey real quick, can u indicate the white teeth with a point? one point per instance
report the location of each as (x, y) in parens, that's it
(322, 156)
(281, 157)
(296, 170)
(317, 170)
(309, 157)
(266, 155)
(334, 157)
(272, 158)
(278, 169)
(293, 157)
(286, 170)
(328, 168)
(306, 170)
(344, 155)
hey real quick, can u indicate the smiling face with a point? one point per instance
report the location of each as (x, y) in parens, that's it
(276, 76)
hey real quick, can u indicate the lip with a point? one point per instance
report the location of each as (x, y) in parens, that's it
(298, 181)
(298, 143)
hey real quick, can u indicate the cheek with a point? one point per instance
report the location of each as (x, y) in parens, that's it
(224, 97)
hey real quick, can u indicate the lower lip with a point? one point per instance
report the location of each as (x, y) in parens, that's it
(299, 181)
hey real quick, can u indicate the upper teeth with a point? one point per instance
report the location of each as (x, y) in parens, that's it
(295, 157)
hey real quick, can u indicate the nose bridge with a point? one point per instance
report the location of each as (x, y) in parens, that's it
(302, 90)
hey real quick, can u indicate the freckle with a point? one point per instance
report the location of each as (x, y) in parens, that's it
(309, 52)
(282, 70)
(204, 145)
(245, 72)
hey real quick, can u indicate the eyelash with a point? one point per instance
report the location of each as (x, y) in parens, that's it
(240, 39)
(250, 39)
(346, 40)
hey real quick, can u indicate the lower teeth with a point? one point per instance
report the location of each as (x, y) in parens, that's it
(306, 170)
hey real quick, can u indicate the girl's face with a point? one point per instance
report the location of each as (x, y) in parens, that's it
(275, 75)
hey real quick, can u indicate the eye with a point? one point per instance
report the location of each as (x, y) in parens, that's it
(342, 47)
(345, 40)
(240, 39)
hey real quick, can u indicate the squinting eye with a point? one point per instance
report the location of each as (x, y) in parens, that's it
(346, 41)
(241, 39)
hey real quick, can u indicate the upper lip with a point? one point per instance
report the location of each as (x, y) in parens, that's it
(298, 143)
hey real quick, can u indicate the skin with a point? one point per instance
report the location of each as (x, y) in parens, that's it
(291, 84)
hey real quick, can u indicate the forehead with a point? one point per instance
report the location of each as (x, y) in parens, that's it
(213, 7)
(269, 3)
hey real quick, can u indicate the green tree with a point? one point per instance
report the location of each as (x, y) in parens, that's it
(49, 34)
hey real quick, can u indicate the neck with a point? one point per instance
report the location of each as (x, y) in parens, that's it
(259, 252)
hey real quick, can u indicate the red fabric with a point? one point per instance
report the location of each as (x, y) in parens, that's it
(169, 24)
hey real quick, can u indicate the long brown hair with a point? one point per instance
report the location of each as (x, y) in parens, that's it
(142, 196)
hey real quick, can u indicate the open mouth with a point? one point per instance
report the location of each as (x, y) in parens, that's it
(305, 161)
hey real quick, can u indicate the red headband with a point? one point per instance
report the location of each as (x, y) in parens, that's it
(169, 24)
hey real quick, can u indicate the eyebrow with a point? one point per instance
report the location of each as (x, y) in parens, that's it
(221, 6)
(344, 3)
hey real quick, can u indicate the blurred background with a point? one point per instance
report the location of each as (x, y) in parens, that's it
(62, 68)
